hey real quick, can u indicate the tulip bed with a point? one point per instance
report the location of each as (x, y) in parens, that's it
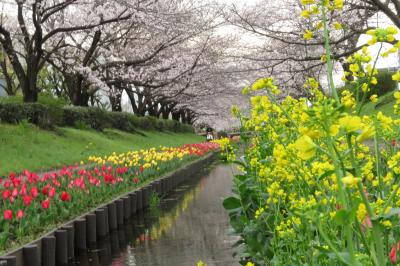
(33, 203)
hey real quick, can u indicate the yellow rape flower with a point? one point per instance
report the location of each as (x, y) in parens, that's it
(396, 76)
(307, 2)
(354, 68)
(366, 133)
(391, 30)
(387, 223)
(334, 130)
(397, 95)
(350, 123)
(306, 147)
(338, 4)
(361, 212)
(337, 26)
(374, 98)
(305, 14)
(235, 111)
(308, 35)
(350, 180)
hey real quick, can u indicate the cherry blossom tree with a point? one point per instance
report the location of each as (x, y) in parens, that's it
(282, 50)
(29, 42)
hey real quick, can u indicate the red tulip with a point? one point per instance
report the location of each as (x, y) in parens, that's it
(393, 142)
(7, 214)
(65, 196)
(16, 182)
(136, 180)
(27, 200)
(392, 255)
(7, 184)
(45, 191)
(6, 194)
(52, 192)
(20, 214)
(34, 192)
(46, 204)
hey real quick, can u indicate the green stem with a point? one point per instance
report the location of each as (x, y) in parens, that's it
(343, 201)
(329, 243)
(377, 159)
(375, 227)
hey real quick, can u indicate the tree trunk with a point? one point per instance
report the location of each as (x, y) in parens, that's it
(183, 117)
(165, 111)
(176, 115)
(30, 95)
(76, 92)
(115, 100)
(29, 85)
(138, 105)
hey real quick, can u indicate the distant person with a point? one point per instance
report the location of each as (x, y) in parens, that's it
(210, 136)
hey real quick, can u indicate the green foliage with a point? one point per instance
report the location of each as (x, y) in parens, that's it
(35, 113)
(50, 112)
(49, 100)
(154, 201)
(94, 118)
(222, 134)
(123, 121)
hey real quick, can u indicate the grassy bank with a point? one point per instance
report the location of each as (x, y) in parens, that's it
(25, 146)
(385, 105)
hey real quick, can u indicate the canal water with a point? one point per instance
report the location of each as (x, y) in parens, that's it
(190, 225)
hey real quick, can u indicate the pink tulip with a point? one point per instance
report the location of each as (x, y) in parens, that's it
(20, 214)
(52, 192)
(14, 193)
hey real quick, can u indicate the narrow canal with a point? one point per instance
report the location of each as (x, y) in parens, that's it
(189, 225)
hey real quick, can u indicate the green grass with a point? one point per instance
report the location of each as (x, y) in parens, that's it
(25, 146)
(385, 105)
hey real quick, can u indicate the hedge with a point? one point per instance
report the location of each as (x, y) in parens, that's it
(49, 116)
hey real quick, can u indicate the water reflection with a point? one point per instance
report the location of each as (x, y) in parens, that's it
(191, 225)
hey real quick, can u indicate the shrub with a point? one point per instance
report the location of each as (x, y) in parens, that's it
(122, 121)
(94, 118)
(146, 123)
(51, 112)
(35, 113)
(222, 134)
